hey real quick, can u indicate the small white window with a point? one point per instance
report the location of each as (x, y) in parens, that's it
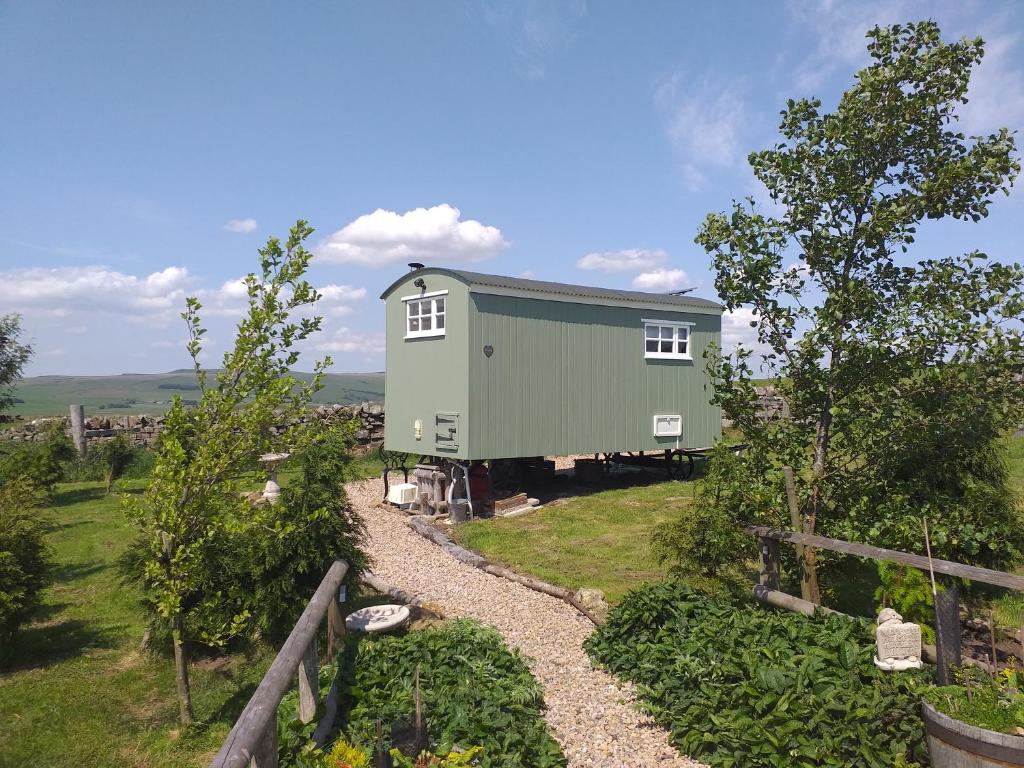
(667, 340)
(424, 315)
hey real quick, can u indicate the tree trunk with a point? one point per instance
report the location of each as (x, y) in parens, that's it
(181, 669)
(821, 440)
(796, 520)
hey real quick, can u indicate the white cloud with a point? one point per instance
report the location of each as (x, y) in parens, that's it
(539, 30)
(96, 289)
(240, 225)
(231, 299)
(663, 280)
(704, 119)
(433, 235)
(345, 341)
(628, 260)
(736, 329)
(840, 29)
(996, 93)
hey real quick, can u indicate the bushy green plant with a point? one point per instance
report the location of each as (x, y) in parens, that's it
(740, 685)
(43, 464)
(705, 543)
(24, 558)
(475, 692)
(291, 544)
(115, 455)
(453, 759)
(909, 592)
(979, 699)
(266, 569)
(91, 467)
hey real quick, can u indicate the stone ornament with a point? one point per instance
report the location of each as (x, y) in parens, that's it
(271, 491)
(897, 643)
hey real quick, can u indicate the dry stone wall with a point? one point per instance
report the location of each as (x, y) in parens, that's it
(143, 430)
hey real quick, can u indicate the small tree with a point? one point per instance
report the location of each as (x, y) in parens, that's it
(114, 456)
(13, 358)
(876, 359)
(24, 558)
(194, 501)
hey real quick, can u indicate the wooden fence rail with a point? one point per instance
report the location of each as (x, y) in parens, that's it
(947, 567)
(253, 739)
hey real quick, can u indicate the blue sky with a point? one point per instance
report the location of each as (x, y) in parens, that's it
(148, 149)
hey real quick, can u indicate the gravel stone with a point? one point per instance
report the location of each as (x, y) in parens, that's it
(590, 713)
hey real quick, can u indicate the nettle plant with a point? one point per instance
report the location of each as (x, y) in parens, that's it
(899, 376)
(194, 504)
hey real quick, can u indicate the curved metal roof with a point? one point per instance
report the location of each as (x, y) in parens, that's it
(568, 290)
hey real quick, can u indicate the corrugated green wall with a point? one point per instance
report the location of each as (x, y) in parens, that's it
(570, 378)
(425, 376)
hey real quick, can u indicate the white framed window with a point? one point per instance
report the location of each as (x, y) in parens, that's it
(425, 314)
(667, 340)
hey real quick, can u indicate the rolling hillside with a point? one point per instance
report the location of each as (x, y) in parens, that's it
(152, 392)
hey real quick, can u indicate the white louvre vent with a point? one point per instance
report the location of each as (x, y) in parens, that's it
(668, 425)
(403, 493)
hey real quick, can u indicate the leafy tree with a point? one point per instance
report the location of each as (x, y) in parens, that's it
(194, 501)
(24, 558)
(266, 569)
(13, 357)
(114, 456)
(887, 368)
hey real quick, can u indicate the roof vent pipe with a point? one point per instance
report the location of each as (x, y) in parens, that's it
(414, 265)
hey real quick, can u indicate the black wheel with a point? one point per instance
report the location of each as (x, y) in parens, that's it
(680, 465)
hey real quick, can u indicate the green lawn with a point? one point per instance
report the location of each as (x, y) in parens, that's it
(80, 692)
(602, 539)
(599, 540)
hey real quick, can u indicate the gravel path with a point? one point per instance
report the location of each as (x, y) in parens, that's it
(589, 712)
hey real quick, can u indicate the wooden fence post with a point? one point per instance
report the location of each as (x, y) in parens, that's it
(947, 631)
(336, 623)
(266, 753)
(769, 550)
(77, 421)
(309, 683)
(798, 526)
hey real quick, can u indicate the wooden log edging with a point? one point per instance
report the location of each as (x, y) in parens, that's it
(377, 583)
(424, 528)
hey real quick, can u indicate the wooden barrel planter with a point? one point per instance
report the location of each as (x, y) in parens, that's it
(955, 744)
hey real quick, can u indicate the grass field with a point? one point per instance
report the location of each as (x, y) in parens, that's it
(80, 692)
(603, 539)
(131, 393)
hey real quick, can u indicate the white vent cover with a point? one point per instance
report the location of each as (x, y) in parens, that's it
(670, 425)
(403, 493)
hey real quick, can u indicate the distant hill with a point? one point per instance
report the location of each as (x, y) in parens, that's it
(153, 392)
